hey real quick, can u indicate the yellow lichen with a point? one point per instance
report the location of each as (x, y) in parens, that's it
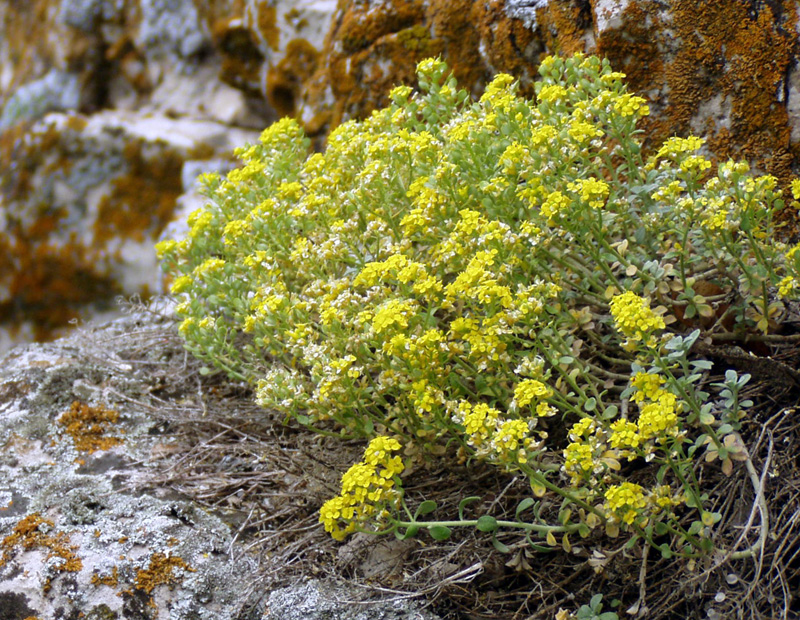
(111, 580)
(27, 536)
(88, 427)
(160, 572)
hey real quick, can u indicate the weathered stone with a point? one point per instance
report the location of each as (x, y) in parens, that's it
(82, 200)
(325, 600)
(75, 539)
(86, 529)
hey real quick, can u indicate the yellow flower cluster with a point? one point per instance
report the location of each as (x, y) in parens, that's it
(367, 489)
(591, 191)
(659, 417)
(633, 316)
(506, 441)
(625, 501)
(531, 391)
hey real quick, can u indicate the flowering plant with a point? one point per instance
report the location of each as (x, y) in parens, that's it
(458, 278)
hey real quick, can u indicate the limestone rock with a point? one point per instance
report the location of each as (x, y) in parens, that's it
(82, 201)
(321, 600)
(76, 539)
(87, 530)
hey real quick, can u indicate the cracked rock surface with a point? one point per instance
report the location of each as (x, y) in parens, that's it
(78, 536)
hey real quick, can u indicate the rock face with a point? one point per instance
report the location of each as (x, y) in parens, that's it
(82, 199)
(320, 600)
(76, 539)
(85, 190)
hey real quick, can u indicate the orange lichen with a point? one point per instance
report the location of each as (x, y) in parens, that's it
(284, 81)
(242, 60)
(563, 25)
(267, 23)
(26, 26)
(142, 201)
(28, 535)
(49, 277)
(112, 580)
(49, 283)
(729, 54)
(365, 40)
(88, 427)
(160, 572)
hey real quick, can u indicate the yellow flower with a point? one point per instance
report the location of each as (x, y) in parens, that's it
(647, 386)
(633, 316)
(592, 191)
(796, 189)
(531, 390)
(578, 460)
(581, 131)
(181, 284)
(582, 428)
(631, 105)
(624, 435)
(379, 448)
(552, 93)
(555, 204)
(788, 286)
(658, 418)
(625, 500)
(394, 312)
(166, 247)
(480, 421)
(510, 437)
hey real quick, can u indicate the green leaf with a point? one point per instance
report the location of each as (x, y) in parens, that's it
(426, 507)
(661, 528)
(500, 546)
(487, 523)
(666, 552)
(409, 533)
(590, 404)
(610, 412)
(706, 418)
(463, 504)
(524, 505)
(743, 379)
(439, 532)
